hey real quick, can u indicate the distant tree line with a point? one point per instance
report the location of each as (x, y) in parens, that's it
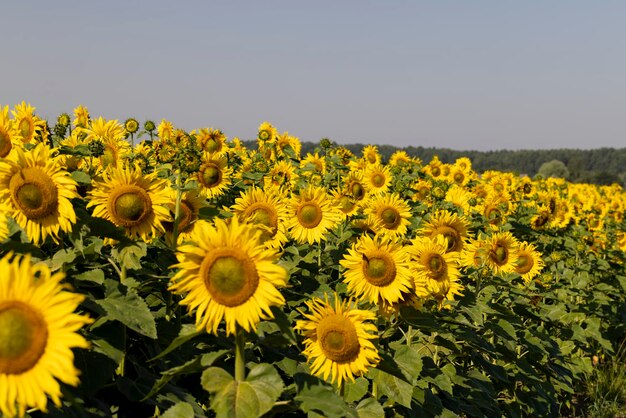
(598, 166)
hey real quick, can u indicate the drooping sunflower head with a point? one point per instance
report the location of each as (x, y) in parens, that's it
(338, 338)
(391, 213)
(288, 146)
(37, 192)
(81, 117)
(377, 270)
(227, 274)
(267, 210)
(313, 164)
(132, 200)
(165, 130)
(311, 215)
(38, 330)
(346, 203)
(529, 263)
(502, 252)
(450, 225)
(111, 135)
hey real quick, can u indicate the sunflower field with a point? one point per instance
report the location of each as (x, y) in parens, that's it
(147, 271)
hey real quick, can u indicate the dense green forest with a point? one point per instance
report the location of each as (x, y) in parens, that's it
(599, 166)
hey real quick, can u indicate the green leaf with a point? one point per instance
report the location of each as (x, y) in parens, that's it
(353, 392)
(394, 388)
(370, 408)
(323, 400)
(267, 385)
(180, 410)
(130, 255)
(130, 309)
(96, 276)
(410, 362)
(61, 258)
(187, 332)
(81, 177)
(251, 398)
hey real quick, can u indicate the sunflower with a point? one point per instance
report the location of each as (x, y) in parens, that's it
(165, 130)
(501, 252)
(459, 197)
(399, 158)
(529, 263)
(7, 132)
(346, 203)
(226, 273)
(281, 175)
(81, 116)
(371, 155)
(27, 125)
(211, 140)
(311, 215)
(37, 192)
(377, 178)
(355, 186)
(267, 133)
(435, 268)
(267, 211)
(433, 168)
(377, 270)
(450, 225)
(38, 330)
(464, 164)
(338, 339)
(286, 142)
(132, 200)
(313, 164)
(214, 176)
(391, 213)
(111, 135)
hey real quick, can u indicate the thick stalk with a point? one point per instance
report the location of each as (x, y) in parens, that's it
(240, 362)
(179, 197)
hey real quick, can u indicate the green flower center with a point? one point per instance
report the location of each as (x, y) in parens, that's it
(26, 128)
(129, 206)
(34, 192)
(5, 143)
(390, 217)
(229, 276)
(380, 270)
(23, 337)
(500, 254)
(357, 191)
(310, 215)
(211, 176)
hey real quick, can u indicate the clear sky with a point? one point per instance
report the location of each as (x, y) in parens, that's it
(458, 74)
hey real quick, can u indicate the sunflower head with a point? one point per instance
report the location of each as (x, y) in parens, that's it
(227, 274)
(338, 338)
(38, 329)
(450, 225)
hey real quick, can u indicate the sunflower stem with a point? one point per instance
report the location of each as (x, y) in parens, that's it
(240, 364)
(179, 196)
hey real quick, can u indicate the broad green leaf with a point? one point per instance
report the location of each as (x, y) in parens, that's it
(130, 256)
(96, 276)
(354, 391)
(370, 408)
(81, 177)
(180, 410)
(187, 332)
(394, 388)
(323, 400)
(126, 306)
(410, 362)
(251, 398)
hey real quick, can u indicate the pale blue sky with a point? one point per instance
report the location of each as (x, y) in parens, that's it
(458, 74)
